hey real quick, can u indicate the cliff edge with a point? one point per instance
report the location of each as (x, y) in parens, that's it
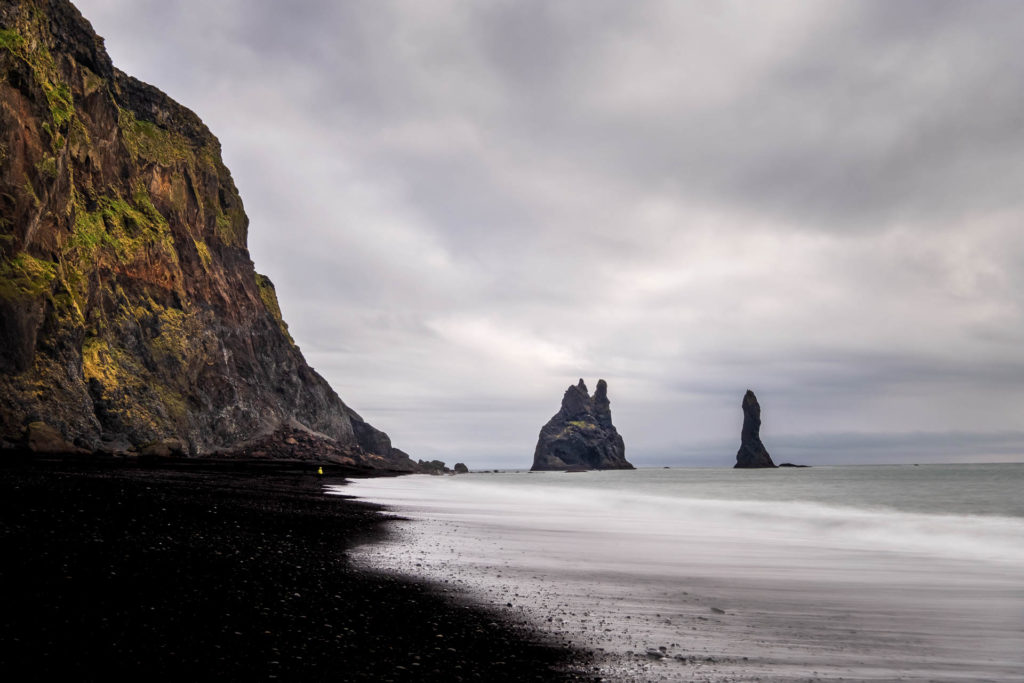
(130, 312)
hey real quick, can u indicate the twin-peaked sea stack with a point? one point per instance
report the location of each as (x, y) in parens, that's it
(131, 319)
(581, 435)
(752, 453)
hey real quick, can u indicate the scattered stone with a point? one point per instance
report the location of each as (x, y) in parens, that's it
(218, 576)
(165, 448)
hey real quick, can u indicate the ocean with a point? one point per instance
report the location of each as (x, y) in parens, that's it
(911, 573)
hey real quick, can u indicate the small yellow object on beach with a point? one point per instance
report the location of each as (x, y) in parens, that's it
(319, 470)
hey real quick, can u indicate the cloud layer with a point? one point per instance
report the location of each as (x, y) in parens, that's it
(467, 206)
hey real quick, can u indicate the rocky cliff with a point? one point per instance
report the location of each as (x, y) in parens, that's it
(581, 434)
(130, 312)
(752, 452)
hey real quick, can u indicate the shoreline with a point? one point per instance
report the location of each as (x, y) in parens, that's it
(662, 587)
(233, 570)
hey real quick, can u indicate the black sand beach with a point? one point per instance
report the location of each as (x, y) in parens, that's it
(225, 571)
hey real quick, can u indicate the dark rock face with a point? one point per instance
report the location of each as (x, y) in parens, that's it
(130, 312)
(432, 467)
(581, 434)
(460, 468)
(752, 452)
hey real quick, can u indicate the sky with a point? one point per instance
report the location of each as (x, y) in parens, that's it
(467, 206)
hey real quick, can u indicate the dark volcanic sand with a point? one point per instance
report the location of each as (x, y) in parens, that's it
(230, 572)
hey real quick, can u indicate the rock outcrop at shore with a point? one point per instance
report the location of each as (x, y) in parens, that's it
(130, 312)
(581, 435)
(752, 452)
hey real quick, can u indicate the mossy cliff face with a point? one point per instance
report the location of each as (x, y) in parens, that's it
(130, 312)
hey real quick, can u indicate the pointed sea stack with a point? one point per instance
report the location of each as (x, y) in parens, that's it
(581, 435)
(752, 452)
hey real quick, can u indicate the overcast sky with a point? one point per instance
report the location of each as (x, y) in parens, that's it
(467, 206)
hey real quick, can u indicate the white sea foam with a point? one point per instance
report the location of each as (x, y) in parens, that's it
(622, 564)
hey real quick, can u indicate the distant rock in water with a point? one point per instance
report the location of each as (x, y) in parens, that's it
(752, 452)
(460, 468)
(581, 435)
(433, 467)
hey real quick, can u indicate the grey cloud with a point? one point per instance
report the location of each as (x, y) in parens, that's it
(864, 449)
(909, 106)
(467, 206)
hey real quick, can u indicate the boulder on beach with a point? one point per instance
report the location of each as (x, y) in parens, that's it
(460, 468)
(165, 448)
(41, 438)
(752, 453)
(581, 435)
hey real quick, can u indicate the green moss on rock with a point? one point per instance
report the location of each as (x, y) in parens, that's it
(269, 296)
(205, 258)
(128, 391)
(26, 277)
(47, 166)
(44, 69)
(126, 230)
(230, 227)
(11, 40)
(170, 346)
(62, 105)
(149, 142)
(30, 192)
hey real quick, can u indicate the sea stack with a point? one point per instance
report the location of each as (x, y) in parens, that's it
(581, 435)
(752, 452)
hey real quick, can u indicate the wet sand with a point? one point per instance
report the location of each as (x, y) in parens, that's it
(228, 572)
(731, 591)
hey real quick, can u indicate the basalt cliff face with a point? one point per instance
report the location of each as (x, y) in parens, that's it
(752, 452)
(130, 312)
(581, 434)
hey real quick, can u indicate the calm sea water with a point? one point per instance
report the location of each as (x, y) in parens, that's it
(974, 489)
(864, 573)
